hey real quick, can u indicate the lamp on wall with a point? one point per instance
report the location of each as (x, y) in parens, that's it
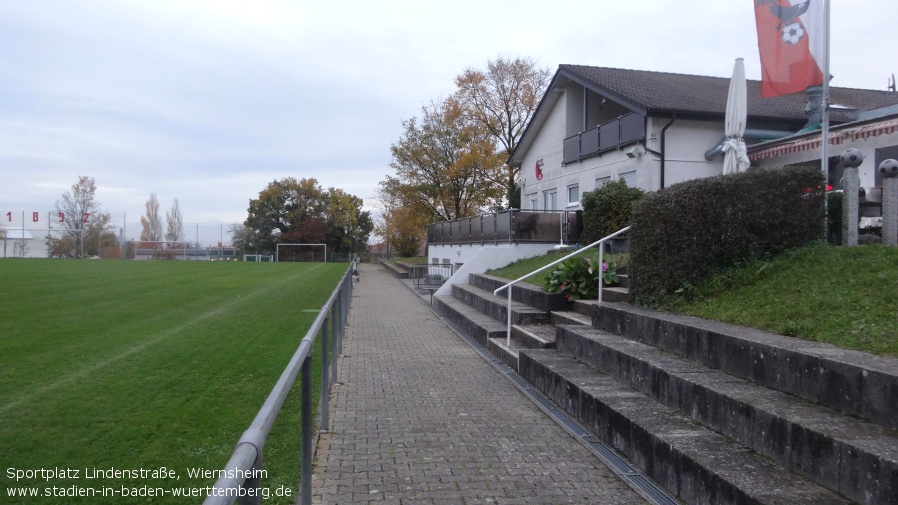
(634, 151)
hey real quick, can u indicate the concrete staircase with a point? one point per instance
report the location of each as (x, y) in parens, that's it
(712, 412)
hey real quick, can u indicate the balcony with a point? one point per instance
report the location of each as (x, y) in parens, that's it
(606, 137)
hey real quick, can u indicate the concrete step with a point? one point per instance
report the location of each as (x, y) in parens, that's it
(534, 336)
(623, 281)
(690, 460)
(853, 382)
(570, 317)
(507, 354)
(478, 325)
(397, 271)
(855, 458)
(496, 306)
(530, 294)
(528, 336)
(615, 294)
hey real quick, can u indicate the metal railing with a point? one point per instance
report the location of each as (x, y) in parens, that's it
(239, 478)
(578, 251)
(509, 227)
(609, 136)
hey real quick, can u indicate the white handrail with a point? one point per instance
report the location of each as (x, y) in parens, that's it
(578, 251)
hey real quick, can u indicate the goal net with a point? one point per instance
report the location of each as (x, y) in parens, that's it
(301, 253)
(258, 258)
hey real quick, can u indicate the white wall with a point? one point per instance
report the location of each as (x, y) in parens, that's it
(548, 146)
(480, 258)
(687, 142)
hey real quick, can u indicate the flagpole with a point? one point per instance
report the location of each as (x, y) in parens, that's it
(824, 119)
(824, 143)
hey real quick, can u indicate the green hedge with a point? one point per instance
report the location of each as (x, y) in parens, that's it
(688, 232)
(607, 209)
(834, 218)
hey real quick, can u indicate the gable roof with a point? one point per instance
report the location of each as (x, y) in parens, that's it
(663, 94)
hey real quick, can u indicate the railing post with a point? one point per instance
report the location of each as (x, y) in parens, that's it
(481, 229)
(601, 273)
(337, 318)
(344, 316)
(254, 482)
(511, 236)
(508, 330)
(305, 492)
(325, 376)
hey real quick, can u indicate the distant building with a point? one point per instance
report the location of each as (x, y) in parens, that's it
(20, 243)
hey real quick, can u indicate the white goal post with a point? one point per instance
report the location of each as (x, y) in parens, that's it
(287, 257)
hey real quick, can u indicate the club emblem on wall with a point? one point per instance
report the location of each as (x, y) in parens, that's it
(539, 169)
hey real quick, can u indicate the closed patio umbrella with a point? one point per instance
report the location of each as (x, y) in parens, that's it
(735, 157)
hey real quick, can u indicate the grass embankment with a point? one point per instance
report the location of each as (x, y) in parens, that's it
(843, 296)
(147, 365)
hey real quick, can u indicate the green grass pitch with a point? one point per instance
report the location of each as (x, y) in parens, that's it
(143, 366)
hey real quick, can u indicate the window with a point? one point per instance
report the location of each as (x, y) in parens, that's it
(573, 194)
(629, 178)
(533, 201)
(550, 199)
(602, 180)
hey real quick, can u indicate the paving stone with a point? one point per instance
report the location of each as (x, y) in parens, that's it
(418, 417)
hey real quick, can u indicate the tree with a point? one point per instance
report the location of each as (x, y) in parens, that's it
(300, 211)
(242, 237)
(403, 230)
(175, 223)
(446, 167)
(151, 222)
(347, 225)
(78, 216)
(502, 100)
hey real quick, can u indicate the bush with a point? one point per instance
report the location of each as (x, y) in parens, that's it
(834, 218)
(578, 277)
(607, 209)
(691, 231)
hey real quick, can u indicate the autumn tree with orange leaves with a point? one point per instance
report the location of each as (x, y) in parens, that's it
(446, 166)
(502, 99)
(450, 162)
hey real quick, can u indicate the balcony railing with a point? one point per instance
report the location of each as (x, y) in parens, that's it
(605, 137)
(507, 227)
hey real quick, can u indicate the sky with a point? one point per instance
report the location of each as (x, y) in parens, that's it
(207, 102)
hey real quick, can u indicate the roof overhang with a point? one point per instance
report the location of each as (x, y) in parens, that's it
(848, 132)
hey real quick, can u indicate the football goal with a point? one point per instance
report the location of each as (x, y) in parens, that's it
(301, 252)
(258, 257)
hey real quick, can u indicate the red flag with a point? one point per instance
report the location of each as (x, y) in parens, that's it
(792, 46)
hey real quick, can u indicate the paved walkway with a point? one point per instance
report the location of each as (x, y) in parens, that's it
(420, 418)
